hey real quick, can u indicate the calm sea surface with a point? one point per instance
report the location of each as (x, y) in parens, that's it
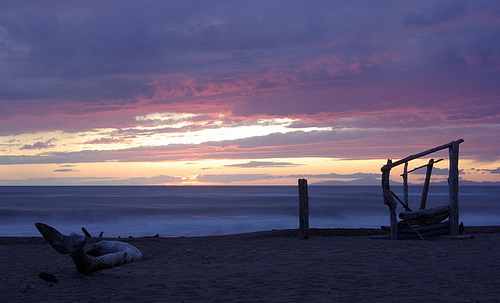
(214, 210)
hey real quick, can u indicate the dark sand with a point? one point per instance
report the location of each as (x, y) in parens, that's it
(338, 265)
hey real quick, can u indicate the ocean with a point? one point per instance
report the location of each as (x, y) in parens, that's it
(123, 211)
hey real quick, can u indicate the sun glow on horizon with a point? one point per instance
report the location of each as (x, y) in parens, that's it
(161, 130)
(133, 155)
(272, 171)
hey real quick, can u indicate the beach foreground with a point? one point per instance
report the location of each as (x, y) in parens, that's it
(340, 265)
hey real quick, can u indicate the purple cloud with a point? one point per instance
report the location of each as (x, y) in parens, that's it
(388, 78)
(39, 145)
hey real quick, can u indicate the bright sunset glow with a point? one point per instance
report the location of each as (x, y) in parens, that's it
(247, 93)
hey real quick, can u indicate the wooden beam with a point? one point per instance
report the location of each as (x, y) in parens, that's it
(402, 203)
(434, 162)
(87, 234)
(425, 153)
(425, 190)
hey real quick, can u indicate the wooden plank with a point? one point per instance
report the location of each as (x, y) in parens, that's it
(425, 190)
(399, 200)
(425, 153)
(405, 185)
(416, 168)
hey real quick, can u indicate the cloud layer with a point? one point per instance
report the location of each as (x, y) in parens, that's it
(129, 81)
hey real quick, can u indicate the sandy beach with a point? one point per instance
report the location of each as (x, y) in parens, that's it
(338, 265)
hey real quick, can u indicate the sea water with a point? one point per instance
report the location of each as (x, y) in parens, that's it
(215, 210)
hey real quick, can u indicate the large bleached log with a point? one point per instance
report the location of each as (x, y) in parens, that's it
(102, 255)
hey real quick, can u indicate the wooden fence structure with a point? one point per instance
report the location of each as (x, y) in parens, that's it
(429, 219)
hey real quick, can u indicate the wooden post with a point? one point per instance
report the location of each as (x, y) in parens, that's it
(405, 184)
(303, 210)
(453, 188)
(389, 201)
(425, 190)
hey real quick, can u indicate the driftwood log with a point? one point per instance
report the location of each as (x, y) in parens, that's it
(430, 212)
(102, 255)
(424, 221)
(424, 216)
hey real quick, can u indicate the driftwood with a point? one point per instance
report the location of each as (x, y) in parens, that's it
(424, 221)
(425, 165)
(424, 213)
(425, 190)
(87, 234)
(389, 200)
(450, 145)
(405, 204)
(405, 186)
(453, 187)
(102, 255)
(303, 209)
(424, 217)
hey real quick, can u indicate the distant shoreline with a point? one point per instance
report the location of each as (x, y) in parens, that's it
(394, 183)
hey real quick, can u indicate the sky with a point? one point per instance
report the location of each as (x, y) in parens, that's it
(245, 92)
